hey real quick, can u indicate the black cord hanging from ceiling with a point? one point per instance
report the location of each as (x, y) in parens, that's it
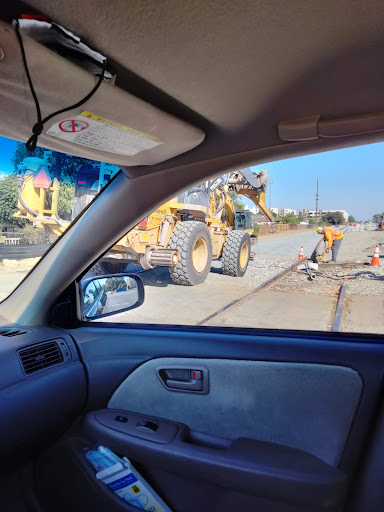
(38, 127)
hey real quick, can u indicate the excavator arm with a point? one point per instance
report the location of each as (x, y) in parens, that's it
(254, 186)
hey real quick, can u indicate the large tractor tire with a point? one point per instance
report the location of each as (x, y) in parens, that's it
(193, 241)
(236, 253)
(102, 268)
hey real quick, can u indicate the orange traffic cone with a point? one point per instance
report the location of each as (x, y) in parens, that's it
(301, 253)
(376, 257)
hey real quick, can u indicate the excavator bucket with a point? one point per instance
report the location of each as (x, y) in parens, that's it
(252, 185)
(257, 180)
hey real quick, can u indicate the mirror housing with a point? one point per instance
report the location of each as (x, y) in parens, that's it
(107, 295)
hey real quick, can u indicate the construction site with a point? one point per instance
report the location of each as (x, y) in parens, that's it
(346, 296)
(202, 262)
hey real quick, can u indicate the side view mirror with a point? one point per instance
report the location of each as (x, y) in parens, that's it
(110, 294)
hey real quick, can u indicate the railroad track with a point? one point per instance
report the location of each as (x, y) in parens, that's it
(273, 280)
(339, 309)
(262, 286)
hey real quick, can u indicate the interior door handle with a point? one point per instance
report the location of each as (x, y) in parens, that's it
(192, 385)
(187, 380)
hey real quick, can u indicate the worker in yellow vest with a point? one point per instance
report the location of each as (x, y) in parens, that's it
(334, 237)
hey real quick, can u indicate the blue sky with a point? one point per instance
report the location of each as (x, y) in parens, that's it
(349, 179)
(7, 149)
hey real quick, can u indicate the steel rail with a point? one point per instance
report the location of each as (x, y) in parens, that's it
(339, 309)
(262, 286)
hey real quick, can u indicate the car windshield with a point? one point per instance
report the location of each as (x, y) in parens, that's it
(41, 194)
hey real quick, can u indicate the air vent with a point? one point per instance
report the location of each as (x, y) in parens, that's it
(11, 332)
(40, 356)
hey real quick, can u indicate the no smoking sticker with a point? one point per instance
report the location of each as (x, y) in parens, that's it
(72, 126)
(103, 134)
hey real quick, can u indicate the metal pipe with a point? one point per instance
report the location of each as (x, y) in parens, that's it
(159, 257)
(163, 257)
(164, 232)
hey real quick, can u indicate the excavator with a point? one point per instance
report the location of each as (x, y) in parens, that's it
(185, 233)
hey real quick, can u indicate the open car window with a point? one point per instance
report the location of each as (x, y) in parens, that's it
(305, 256)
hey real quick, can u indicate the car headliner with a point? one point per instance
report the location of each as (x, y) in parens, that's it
(235, 69)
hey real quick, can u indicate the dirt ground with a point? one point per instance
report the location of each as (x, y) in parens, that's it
(292, 303)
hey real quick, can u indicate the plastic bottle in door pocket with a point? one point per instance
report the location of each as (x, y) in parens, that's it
(123, 479)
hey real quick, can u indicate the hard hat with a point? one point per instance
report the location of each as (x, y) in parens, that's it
(319, 230)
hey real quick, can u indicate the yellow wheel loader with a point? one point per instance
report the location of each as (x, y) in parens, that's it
(185, 233)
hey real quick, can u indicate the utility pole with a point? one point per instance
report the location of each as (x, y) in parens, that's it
(317, 201)
(271, 181)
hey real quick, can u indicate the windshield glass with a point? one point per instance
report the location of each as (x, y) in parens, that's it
(41, 193)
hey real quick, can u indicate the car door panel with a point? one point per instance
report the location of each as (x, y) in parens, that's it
(110, 354)
(304, 406)
(314, 396)
(246, 467)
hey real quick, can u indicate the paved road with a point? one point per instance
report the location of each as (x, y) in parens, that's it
(120, 300)
(287, 243)
(353, 247)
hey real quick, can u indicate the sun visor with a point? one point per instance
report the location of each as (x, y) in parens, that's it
(112, 126)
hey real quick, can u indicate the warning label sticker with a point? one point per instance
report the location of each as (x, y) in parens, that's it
(96, 132)
(73, 126)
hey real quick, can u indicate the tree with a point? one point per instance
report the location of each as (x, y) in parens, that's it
(63, 167)
(290, 218)
(65, 201)
(378, 217)
(22, 152)
(351, 218)
(274, 214)
(237, 203)
(311, 220)
(8, 201)
(333, 218)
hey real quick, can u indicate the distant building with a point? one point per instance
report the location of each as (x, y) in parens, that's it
(260, 220)
(305, 211)
(254, 210)
(289, 210)
(312, 213)
(280, 212)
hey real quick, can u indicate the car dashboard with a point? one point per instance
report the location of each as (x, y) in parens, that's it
(43, 388)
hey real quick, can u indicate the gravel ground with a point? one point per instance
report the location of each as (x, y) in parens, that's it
(258, 271)
(276, 252)
(360, 280)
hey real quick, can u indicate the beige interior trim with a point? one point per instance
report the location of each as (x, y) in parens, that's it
(59, 83)
(312, 127)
